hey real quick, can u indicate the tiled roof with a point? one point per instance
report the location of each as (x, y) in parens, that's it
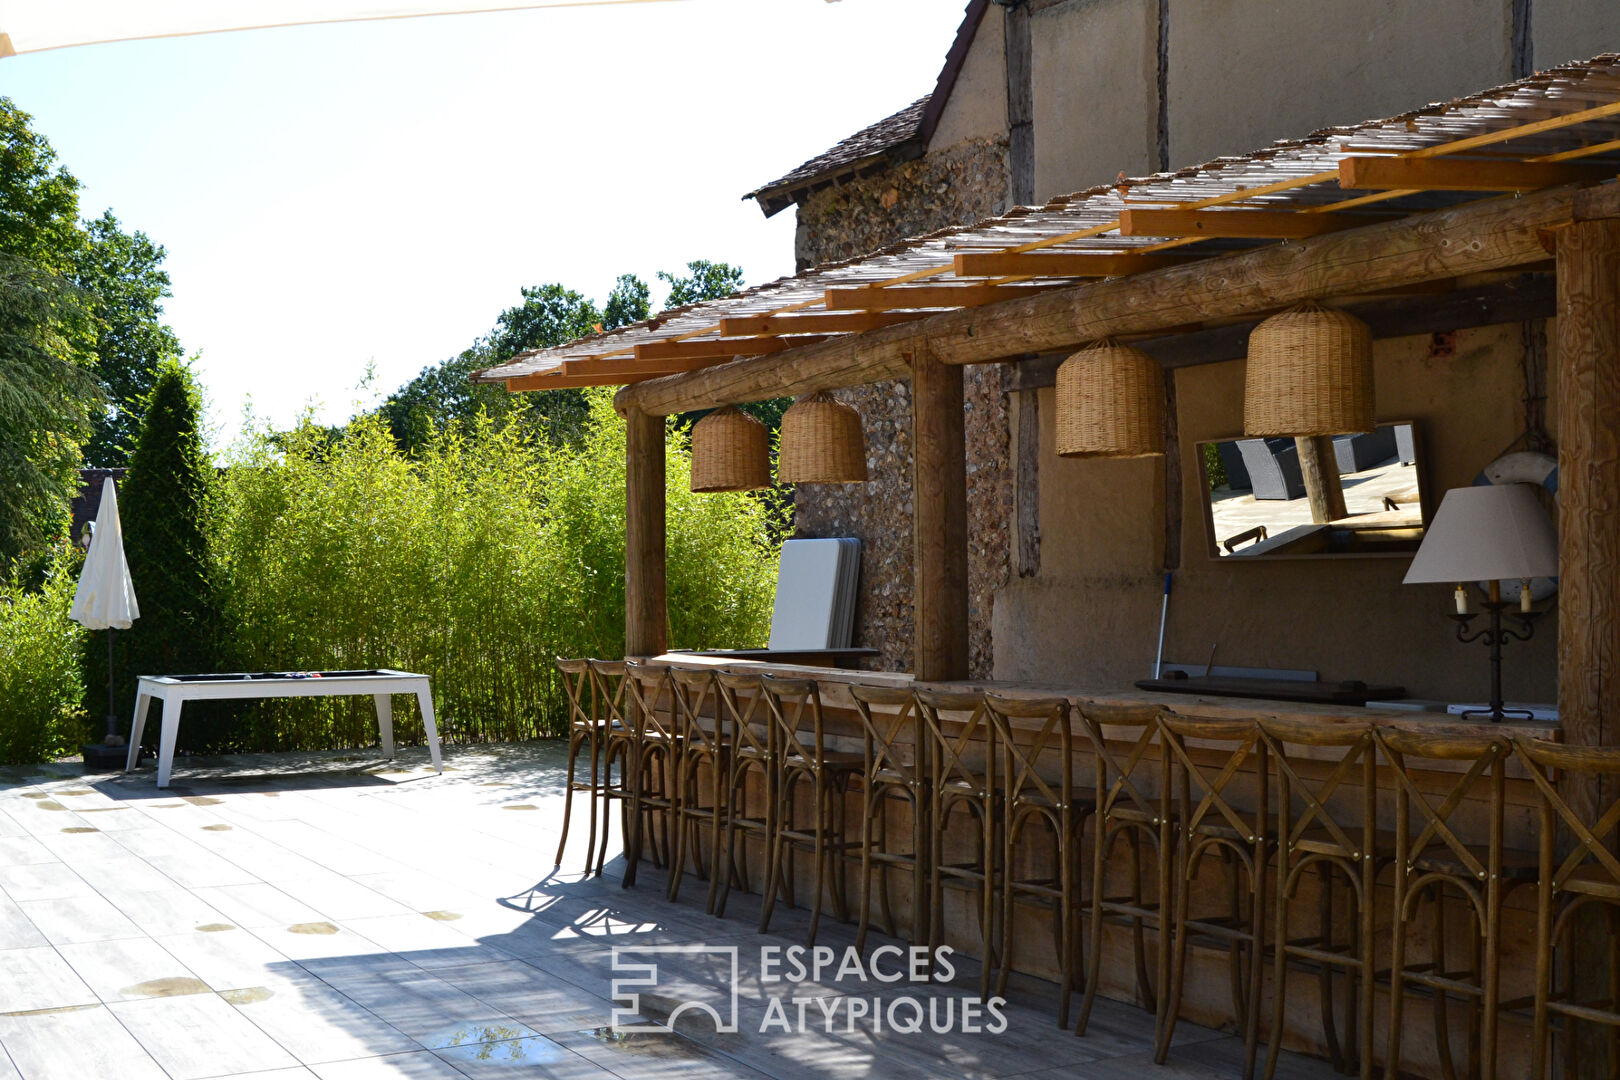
(884, 140)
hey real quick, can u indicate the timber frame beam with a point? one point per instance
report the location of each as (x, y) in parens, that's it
(1495, 234)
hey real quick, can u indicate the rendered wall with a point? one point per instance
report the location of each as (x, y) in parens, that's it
(977, 108)
(1095, 92)
(1091, 614)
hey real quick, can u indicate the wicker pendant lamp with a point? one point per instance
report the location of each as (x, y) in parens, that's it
(730, 452)
(822, 443)
(1309, 373)
(1110, 403)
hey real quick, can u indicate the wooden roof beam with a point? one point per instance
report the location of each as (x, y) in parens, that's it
(1492, 234)
(1235, 224)
(837, 322)
(923, 296)
(1058, 264)
(720, 348)
(1461, 174)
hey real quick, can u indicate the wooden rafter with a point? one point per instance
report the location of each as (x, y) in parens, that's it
(1244, 224)
(1453, 174)
(1058, 264)
(593, 377)
(841, 322)
(923, 296)
(637, 368)
(720, 348)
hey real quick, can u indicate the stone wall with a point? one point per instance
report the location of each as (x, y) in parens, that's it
(953, 186)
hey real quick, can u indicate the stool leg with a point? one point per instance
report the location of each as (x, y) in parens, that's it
(677, 863)
(1177, 973)
(1279, 975)
(1099, 889)
(568, 792)
(869, 812)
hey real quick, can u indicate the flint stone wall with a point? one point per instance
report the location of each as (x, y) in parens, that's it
(954, 186)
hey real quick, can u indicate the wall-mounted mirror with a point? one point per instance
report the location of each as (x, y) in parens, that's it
(1282, 497)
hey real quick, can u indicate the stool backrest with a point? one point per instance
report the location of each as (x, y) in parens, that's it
(693, 691)
(750, 716)
(607, 682)
(1436, 816)
(1206, 789)
(1344, 803)
(1045, 730)
(1122, 779)
(1591, 835)
(955, 748)
(887, 734)
(795, 711)
(650, 693)
(581, 691)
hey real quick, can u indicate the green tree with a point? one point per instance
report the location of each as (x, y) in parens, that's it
(164, 501)
(704, 280)
(39, 199)
(124, 281)
(46, 399)
(630, 301)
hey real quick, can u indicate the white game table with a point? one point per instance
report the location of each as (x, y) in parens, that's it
(175, 690)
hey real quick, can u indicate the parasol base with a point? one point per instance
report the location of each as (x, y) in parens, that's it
(99, 757)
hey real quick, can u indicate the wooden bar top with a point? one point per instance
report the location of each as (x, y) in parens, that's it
(833, 679)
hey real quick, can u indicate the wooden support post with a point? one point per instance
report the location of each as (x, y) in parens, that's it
(1320, 470)
(939, 519)
(1588, 388)
(645, 618)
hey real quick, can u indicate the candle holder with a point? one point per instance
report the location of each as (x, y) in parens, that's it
(1495, 635)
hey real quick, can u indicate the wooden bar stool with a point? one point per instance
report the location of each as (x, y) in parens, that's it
(964, 785)
(753, 756)
(1434, 867)
(584, 733)
(896, 770)
(1333, 834)
(1221, 798)
(705, 755)
(805, 762)
(1579, 873)
(654, 796)
(1039, 791)
(618, 749)
(1132, 805)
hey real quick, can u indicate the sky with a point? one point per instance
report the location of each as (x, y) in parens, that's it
(370, 196)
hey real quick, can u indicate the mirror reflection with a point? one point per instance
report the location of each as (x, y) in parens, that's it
(1348, 494)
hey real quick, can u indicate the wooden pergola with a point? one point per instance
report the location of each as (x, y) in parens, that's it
(1449, 217)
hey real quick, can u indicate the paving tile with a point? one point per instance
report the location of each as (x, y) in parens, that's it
(424, 940)
(533, 1056)
(16, 931)
(427, 1008)
(229, 959)
(124, 874)
(173, 910)
(42, 881)
(672, 1057)
(130, 969)
(337, 897)
(315, 1023)
(200, 1035)
(545, 1002)
(79, 1043)
(22, 850)
(420, 1065)
(39, 978)
(78, 918)
(257, 905)
(318, 939)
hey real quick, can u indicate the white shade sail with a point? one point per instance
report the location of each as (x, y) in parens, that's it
(105, 598)
(1494, 532)
(36, 25)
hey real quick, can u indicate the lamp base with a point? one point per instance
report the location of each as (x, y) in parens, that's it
(101, 758)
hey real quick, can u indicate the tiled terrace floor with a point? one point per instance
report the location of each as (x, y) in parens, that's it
(283, 916)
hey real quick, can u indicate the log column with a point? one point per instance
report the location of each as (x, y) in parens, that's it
(1589, 482)
(645, 618)
(939, 519)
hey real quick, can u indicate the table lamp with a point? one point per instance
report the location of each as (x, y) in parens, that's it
(1490, 533)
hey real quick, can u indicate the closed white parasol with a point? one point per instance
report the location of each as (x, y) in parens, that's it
(105, 598)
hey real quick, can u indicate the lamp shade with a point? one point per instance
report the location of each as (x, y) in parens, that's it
(730, 452)
(1494, 532)
(822, 443)
(1309, 372)
(1110, 403)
